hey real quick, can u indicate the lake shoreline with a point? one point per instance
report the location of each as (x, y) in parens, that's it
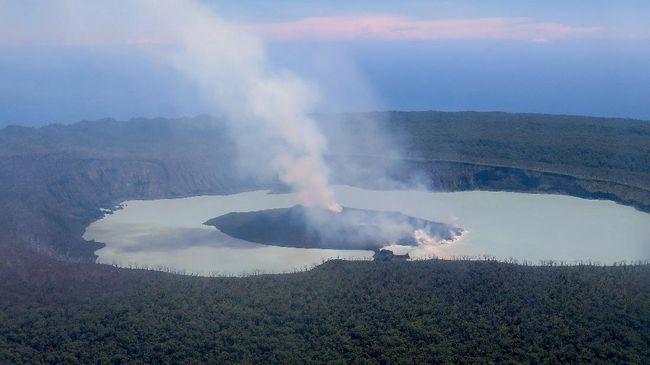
(570, 246)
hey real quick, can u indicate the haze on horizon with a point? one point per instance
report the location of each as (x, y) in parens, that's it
(551, 57)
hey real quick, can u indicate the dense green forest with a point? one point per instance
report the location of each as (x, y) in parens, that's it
(447, 312)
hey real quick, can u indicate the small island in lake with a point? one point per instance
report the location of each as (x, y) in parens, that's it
(353, 229)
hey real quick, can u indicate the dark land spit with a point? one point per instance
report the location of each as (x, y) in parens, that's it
(353, 229)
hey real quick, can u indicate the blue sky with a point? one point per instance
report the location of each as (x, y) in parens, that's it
(563, 57)
(572, 9)
(621, 17)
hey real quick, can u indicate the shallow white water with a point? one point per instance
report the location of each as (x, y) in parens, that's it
(169, 232)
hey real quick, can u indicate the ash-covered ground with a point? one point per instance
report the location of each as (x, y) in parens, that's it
(354, 229)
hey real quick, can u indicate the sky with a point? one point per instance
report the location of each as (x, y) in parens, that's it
(560, 57)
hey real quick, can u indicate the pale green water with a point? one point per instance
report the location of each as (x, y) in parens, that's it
(169, 232)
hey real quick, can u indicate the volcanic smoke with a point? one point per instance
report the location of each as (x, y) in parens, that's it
(269, 109)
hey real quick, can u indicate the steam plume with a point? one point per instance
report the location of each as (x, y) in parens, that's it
(268, 108)
(229, 63)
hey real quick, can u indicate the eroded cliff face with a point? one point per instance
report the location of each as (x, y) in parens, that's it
(52, 191)
(461, 176)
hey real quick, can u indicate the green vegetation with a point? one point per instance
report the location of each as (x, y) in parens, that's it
(447, 312)
(608, 149)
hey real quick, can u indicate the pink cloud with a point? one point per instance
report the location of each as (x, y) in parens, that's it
(383, 27)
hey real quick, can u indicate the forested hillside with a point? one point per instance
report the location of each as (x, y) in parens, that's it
(601, 158)
(609, 149)
(444, 312)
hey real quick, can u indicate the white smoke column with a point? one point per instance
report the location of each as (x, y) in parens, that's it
(228, 62)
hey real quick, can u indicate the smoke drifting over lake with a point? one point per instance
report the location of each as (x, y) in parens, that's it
(269, 110)
(353, 229)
